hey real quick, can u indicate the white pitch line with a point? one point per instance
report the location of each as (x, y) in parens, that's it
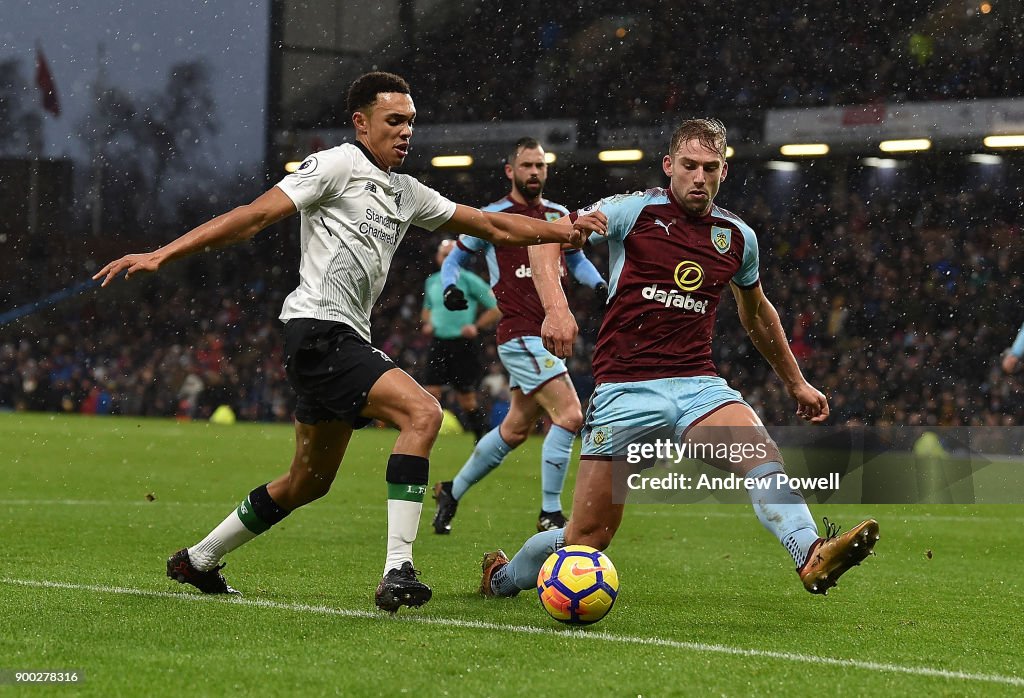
(531, 630)
(733, 511)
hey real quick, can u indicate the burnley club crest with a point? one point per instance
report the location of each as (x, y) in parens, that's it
(721, 238)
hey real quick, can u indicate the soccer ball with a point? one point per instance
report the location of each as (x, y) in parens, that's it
(577, 585)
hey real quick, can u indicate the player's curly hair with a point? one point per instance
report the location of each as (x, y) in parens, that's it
(710, 133)
(365, 89)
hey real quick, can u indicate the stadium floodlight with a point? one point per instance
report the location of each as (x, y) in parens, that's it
(550, 157)
(631, 155)
(1015, 140)
(782, 166)
(881, 163)
(729, 152)
(452, 161)
(906, 145)
(985, 159)
(290, 167)
(804, 149)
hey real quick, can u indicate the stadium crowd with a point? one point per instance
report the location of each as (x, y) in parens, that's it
(719, 59)
(898, 297)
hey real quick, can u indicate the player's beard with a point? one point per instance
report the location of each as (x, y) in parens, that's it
(530, 190)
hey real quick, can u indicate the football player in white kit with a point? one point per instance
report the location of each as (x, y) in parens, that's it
(354, 213)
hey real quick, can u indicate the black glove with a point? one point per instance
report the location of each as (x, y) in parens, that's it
(454, 298)
(601, 291)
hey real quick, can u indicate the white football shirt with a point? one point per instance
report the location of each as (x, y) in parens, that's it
(353, 216)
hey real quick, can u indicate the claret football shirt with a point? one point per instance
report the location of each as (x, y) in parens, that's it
(667, 273)
(510, 273)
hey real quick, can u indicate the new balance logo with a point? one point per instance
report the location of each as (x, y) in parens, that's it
(663, 225)
(371, 187)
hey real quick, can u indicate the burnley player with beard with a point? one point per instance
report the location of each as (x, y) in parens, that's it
(354, 212)
(673, 252)
(538, 378)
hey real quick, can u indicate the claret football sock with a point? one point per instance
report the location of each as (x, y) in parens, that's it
(783, 511)
(487, 456)
(256, 514)
(554, 456)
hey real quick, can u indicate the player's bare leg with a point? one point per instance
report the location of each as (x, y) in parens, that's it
(319, 449)
(520, 420)
(595, 515)
(399, 400)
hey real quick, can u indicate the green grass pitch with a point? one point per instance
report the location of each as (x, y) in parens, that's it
(709, 603)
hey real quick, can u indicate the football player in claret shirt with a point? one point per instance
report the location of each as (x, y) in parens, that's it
(538, 378)
(354, 211)
(673, 252)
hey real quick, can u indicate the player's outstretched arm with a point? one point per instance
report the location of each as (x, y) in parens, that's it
(228, 228)
(762, 323)
(559, 329)
(513, 230)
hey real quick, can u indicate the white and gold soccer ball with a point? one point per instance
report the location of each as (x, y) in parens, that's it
(578, 585)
